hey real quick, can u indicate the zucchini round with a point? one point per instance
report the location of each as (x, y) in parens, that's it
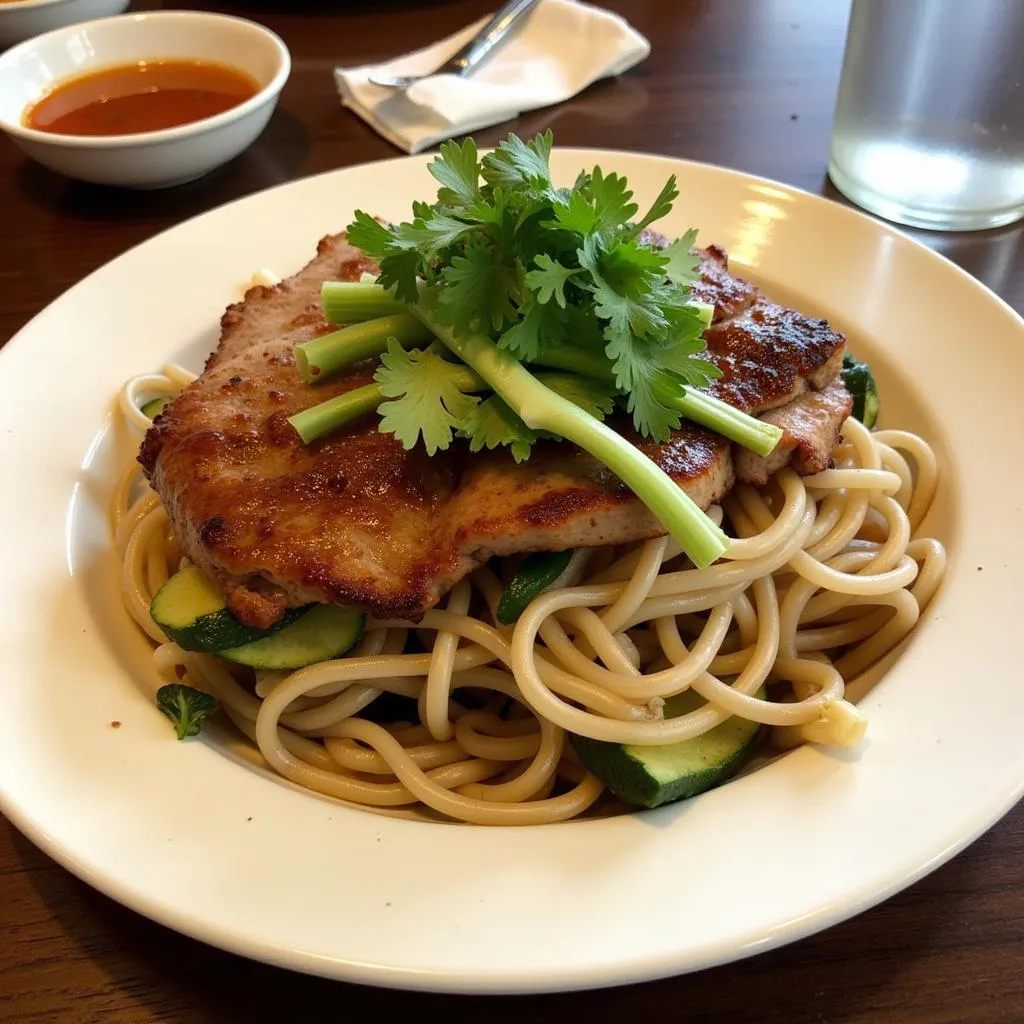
(154, 407)
(192, 612)
(323, 632)
(648, 776)
(537, 572)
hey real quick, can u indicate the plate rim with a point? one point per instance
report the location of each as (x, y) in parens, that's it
(474, 981)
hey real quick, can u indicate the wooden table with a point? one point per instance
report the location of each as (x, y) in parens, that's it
(743, 83)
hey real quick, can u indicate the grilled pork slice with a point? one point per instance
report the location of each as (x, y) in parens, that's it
(356, 519)
(289, 307)
(810, 429)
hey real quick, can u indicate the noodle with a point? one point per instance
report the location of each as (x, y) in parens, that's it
(825, 577)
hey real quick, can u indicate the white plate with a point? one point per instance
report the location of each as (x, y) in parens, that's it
(196, 838)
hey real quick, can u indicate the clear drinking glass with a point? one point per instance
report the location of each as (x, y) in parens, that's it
(929, 125)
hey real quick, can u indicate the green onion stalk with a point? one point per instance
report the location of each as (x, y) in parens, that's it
(322, 357)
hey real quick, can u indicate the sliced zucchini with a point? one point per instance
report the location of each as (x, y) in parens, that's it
(192, 612)
(154, 407)
(651, 776)
(860, 382)
(322, 632)
(537, 572)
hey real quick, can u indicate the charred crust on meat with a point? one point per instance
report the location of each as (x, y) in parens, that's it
(280, 433)
(214, 531)
(355, 519)
(256, 602)
(563, 505)
(407, 603)
(149, 450)
(313, 319)
(767, 352)
(352, 270)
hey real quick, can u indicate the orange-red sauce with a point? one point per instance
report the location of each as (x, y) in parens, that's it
(141, 97)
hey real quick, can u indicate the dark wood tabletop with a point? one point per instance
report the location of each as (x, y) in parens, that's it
(748, 84)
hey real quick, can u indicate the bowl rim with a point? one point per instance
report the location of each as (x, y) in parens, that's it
(10, 6)
(163, 135)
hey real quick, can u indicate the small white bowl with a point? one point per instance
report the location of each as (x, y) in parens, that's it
(157, 159)
(29, 18)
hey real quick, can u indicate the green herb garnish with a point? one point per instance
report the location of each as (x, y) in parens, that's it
(515, 278)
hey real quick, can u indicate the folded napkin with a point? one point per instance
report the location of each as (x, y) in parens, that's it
(556, 50)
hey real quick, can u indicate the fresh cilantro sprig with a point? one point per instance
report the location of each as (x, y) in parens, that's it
(523, 262)
(516, 277)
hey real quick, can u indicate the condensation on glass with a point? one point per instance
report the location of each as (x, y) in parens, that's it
(929, 124)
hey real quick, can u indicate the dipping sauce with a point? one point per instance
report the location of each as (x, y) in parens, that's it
(142, 97)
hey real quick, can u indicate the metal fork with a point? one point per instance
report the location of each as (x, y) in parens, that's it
(473, 53)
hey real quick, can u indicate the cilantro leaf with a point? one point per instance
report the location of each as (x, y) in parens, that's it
(695, 373)
(612, 200)
(479, 290)
(627, 316)
(492, 424)
(576, 214)
(504, 265)
(489, 209)
(519, 164)
(661, 206)
(457, 171)
(506, 254)
(583, 328)
(636, 368)
(597, 203)
(682, 266)
(368, 234)
(398, 272)
(632, 267)
(540, 327)
(683, 356)
(431, 235)
(427, 399)
(549, 279)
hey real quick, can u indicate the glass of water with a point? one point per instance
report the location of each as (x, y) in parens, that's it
(929, 124)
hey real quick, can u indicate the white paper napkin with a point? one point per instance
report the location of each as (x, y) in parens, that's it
(559, 48)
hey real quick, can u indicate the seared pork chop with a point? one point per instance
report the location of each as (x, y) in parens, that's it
(356, 519)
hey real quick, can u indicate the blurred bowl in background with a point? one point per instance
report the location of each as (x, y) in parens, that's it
(23, 19)
(152, 159)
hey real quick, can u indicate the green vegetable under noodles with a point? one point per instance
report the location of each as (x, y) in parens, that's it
(860, 382)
